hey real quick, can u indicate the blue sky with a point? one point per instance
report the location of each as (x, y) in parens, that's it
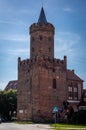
(69, 19)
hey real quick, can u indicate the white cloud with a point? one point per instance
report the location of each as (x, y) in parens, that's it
(18, 51)
(70, 10)
(14, 22)
(27, 11)
(7, 22)
(13, 37)
(69, 44)
(65, 43)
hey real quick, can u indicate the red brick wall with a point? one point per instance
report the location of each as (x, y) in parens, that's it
(36, 95)
(42, 40)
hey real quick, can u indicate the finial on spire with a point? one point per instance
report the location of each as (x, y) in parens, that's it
(42, 17)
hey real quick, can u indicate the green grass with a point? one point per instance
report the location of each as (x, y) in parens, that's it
(68, 127)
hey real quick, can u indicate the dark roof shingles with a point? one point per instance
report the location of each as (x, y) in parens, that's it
(42, 18)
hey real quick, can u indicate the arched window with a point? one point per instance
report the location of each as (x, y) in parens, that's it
(54, 83)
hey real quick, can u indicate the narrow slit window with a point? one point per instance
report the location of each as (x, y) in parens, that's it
(49, 49)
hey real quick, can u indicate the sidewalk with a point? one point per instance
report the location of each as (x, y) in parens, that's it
(13, 126)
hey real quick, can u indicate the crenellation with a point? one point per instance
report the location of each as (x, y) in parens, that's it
(40, 61)
(41, 27)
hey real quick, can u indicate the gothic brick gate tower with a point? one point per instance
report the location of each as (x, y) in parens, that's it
(42, 78)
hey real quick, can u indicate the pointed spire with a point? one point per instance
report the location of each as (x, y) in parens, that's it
(42, 17)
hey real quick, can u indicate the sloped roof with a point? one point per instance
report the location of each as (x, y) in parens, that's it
(11, 85)
(72, 76)
(42, 18)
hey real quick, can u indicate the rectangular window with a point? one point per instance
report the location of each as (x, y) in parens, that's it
(54, 83)
(70, 95)
(75, 89)
(70, 89)
(75, 95)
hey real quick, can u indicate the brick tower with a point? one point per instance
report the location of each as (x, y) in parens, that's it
(42, 38)
(42, 79)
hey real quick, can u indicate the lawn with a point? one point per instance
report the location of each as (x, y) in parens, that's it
(68, 127)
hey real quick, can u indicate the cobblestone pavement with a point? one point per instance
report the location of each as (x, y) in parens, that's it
(13, 126)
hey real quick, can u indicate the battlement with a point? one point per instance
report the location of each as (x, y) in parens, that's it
(42, 61)
(42, 27)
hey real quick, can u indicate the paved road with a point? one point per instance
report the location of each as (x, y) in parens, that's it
(13, 126)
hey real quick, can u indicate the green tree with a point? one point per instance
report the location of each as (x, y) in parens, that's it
(8, 103)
